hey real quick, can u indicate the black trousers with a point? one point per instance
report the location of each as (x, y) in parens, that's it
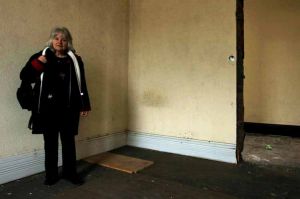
(51, 153)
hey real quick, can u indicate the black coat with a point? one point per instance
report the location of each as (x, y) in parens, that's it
(48, 113)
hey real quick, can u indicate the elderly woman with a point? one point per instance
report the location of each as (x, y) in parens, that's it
(60, 97)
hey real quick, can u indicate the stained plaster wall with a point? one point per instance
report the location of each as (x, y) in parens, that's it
(272, 63)
(100, 33)
(180, 81)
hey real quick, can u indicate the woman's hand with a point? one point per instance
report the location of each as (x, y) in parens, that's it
(84, 113)
(43, 59)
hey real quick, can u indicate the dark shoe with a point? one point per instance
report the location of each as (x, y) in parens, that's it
(51, 181)
(74, 179)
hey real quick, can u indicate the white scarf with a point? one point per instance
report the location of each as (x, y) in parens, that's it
(76, 65)
(77, 71)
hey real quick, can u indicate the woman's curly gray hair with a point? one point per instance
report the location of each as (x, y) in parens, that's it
(66, 34)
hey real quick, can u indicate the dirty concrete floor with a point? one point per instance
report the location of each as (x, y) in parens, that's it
(171, 176)
(272, 150)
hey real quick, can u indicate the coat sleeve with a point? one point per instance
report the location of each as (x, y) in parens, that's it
(32, 69)
(86, 106)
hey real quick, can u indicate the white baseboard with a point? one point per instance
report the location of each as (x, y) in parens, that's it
(22, 165)
(89, 147)
(203, 149)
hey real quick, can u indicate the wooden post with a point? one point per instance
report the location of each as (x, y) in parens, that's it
(240, 78)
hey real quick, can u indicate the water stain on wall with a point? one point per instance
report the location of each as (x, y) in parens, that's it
(153, 97)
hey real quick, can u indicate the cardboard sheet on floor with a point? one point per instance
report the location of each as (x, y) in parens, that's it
(119, 162)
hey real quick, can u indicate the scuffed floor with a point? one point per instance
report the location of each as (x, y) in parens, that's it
(272, 150)
(170, 177)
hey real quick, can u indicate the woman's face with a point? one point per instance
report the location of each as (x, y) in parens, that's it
(59, 43)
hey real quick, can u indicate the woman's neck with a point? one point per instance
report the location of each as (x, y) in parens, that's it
(60, 54)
